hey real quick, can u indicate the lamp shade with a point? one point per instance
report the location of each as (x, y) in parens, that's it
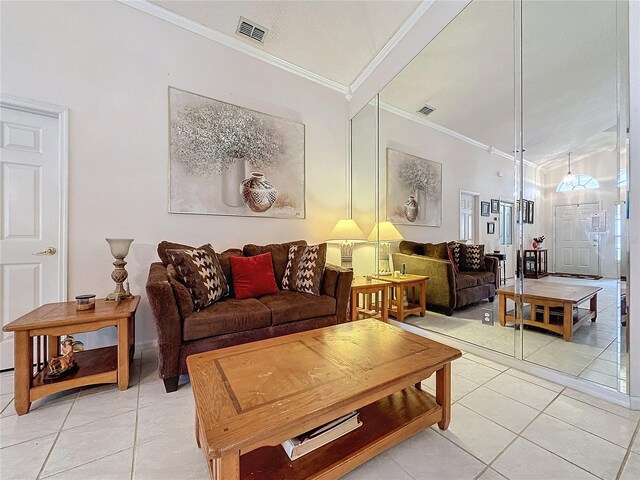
(387, 233)
(346, 229)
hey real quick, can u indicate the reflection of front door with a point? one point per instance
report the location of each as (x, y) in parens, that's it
(467, 215)
(31, 172)
(576, 248)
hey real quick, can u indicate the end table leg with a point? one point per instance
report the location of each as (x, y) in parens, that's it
(443, 394)
(423, 298)
(594, 307)
(23, 365)
(226, 467)
(354, 305)
(502, 309)
(385, 305)
(198, 431)
(123, 353)
(400, 302)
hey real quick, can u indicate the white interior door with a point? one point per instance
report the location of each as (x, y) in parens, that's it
(576, 248)
(467, 217)
(32, 171)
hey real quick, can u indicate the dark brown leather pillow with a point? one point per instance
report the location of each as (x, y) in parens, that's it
(304, 269)
(279, 254)
(164, 246)
(411, 248)
(436, 250)
(183, 297)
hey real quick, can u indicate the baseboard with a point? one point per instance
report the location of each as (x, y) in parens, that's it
(561, 378)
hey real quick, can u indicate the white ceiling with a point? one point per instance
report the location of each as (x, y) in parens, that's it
(334, 39)
(569, 77)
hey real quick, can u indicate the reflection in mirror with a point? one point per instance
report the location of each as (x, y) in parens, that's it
(447, 175)
(574, 133)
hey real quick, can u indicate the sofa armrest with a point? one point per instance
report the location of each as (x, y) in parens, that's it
(441, 286)
(336, 282)
(492, 264)
(168, 324)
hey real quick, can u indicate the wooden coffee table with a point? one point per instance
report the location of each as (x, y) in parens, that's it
(400, 286)
(37, 339)
(250, 398)
(551, 306)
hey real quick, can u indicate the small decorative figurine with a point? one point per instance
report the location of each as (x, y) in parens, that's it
(64, 364)
(537, 242)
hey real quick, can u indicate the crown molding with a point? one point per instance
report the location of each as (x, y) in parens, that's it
(223, 39)
(452, 133)
(390, 45)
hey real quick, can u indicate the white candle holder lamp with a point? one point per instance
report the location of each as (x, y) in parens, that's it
(119, 249)
(346, 233)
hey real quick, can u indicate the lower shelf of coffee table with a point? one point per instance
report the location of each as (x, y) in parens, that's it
(384, 423)
(98, 365)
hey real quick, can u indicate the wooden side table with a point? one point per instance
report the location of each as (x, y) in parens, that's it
(374, 295)
(400, 286)
(39, 331)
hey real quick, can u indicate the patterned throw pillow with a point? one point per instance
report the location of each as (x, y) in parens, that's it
(305, 266)
(456, 250)
(199, 270)
(474, 258)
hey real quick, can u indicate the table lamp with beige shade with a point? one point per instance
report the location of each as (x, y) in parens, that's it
(346, 233)
(385, 233)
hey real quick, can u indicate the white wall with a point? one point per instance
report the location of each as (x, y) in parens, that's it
(603, 166)
(111, 66)
(464, 167)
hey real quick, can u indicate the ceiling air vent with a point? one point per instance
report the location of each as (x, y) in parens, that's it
(426, 110)
(251, 29)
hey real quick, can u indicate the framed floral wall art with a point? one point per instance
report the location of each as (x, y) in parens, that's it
(229, 160)
(414, 190)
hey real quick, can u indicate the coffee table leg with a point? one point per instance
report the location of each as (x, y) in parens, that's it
(226, 468)
(123, 353)
(567, 322)
(443, 394)
(198, 431)
(502, 309)
(594, 307)
(23, 364)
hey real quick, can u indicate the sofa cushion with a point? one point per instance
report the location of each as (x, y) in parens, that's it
(253, 276)
(227, 316)
(304, 268)
(465, 281)
(437, 250)
(199, 270)
(279, 253)
(225, 264)
(472, 259)
(287, 307)
(458, 254)
(483, 278)
(411, 248)
(183, 297)
(164, 246)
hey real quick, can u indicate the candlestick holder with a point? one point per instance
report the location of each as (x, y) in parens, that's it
(119, 249)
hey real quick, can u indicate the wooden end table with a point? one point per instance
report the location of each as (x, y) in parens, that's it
(251, 397)
(39, 331)
(375, 298)
(400, 286)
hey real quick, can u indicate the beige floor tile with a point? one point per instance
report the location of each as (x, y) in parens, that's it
(24, 460)
(631, 469)
(473, 371)
(37, 423)
(576, 446)
(524, 460)
(605, 366)
(491, 474)
(502, 410)
(152, 391)
(381, 467)
(572, 364)
(635, 446)
(592, 419)
(112, 467)
(460, 386)
(467, 427)
(599, 378)
(86, 443)
(6, 383)
(627, 413)
(91, 407)
(485, 361)
(428, 455)
(173, 417)
(169, 458)
(535, 380)
(5, 400)
(522, 391)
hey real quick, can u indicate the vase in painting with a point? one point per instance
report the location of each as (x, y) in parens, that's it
(257, 193)
(411, 208)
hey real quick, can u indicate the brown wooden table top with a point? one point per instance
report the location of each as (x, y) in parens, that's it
(362, 282)
(247, 393)
(409, 277)
(65, 313)
(554, 291)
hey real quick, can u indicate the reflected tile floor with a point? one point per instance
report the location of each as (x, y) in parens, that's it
(505, 424)
(597, 351)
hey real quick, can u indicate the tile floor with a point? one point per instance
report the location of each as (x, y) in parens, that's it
(505, 424)
(597, 352)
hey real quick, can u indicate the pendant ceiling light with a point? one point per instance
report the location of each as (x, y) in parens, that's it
(569, 178)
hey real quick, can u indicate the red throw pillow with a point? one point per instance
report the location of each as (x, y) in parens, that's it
(253, 276)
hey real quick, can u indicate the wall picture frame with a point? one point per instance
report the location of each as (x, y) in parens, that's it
(530, 212)
(484, 209)
(495, 206)
(491, 228)
(525, 211)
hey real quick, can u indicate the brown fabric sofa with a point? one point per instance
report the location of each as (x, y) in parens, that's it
(183, 332)
(447, 290)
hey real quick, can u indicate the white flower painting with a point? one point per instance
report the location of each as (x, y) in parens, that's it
(230, 160)
(414, 190)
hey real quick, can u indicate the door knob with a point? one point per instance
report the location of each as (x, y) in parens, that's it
(47, 251)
